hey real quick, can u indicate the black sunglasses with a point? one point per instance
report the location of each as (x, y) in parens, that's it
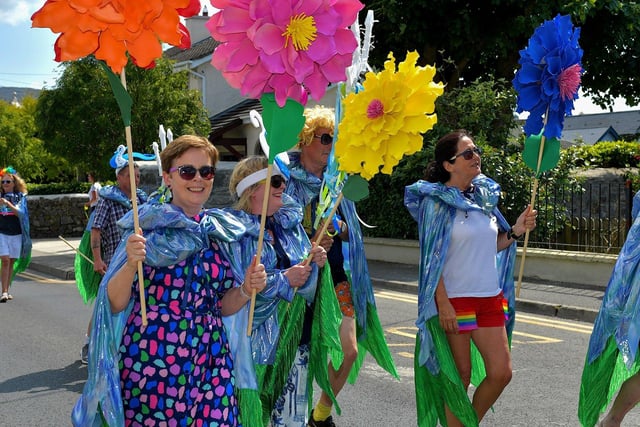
(188, 172)
(467, 154)
(277, 181)
(325, 138)
(6, 182)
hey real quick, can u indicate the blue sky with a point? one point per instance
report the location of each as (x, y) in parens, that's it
(26, 54)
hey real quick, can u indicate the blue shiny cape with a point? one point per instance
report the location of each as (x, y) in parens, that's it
(433, 206)
(291, 235)
(619, 314)
(171, 237)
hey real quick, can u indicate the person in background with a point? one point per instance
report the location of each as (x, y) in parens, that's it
(459, 225)
(15, 240)
(113, 203)
(93, 194)
(353, 287)
(285, 250)
(611, 364)
(178, 369)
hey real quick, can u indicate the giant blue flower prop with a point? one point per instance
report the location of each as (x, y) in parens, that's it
(548, 80)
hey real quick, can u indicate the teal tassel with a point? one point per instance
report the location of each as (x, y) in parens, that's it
(250, 407)
(601, 380)
(432, 392)
(325, 337)
(375, 343)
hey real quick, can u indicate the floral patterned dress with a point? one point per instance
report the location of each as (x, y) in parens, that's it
(178, 371)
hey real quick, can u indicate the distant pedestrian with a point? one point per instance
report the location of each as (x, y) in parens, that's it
(465, 284)
(15, 240)
(612, 365)
(93, 193)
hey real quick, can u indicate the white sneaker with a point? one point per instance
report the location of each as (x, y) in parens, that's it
(4, 297)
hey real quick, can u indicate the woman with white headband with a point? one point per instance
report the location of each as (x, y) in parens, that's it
(285, 250)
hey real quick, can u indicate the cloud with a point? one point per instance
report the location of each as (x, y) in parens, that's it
(17, 12)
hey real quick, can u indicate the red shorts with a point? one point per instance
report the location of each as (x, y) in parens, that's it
(480, 312)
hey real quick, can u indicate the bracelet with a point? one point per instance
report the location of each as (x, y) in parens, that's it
(513, 235)
(243, 293)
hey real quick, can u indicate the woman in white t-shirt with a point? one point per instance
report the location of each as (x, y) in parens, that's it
(93, 193)
(465, 284)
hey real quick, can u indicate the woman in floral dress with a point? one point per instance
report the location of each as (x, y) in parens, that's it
(178, 370)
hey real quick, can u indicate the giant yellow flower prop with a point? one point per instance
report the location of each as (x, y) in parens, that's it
(385, 121)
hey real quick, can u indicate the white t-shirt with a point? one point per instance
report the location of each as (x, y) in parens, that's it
(470, 268)
(94, 187)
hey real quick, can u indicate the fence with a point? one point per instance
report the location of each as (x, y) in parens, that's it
(591, 217)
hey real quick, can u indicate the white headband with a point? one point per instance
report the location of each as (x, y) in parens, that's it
(254, 178)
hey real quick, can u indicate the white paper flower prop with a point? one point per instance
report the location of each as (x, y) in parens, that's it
(386, 120)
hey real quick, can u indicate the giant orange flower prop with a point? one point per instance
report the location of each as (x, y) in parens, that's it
(111, 28)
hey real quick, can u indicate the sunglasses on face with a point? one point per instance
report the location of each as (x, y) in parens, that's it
(188, 172)
(7, 182)
(467, 154)
(276, 181)
(325, 138)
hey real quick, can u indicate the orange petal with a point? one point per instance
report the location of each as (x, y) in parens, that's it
(56, 15)
(145, 49)
(107, 13)
(167, 27)
(75, 44)
(112, 51)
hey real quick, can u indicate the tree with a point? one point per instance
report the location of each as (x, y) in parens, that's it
(80, 120)
(470, 40)
(21, 149)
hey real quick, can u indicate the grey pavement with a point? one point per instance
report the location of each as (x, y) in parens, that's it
(55, 257)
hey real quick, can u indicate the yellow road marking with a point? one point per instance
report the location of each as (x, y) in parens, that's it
(537, 339)
(555, 324)
(42, 279)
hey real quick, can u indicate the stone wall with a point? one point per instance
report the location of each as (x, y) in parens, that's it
(64, 215)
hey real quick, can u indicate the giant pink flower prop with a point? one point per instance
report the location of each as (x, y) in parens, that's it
(289, 47)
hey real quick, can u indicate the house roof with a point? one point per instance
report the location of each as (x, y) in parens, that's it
(590, 136)
(196, 51)
(623, 122)
(233, 116)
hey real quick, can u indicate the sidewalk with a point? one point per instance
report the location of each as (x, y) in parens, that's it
(55, 258)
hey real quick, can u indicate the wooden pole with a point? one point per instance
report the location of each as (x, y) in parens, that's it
(76, 249)
(134, 207)
(263, 222)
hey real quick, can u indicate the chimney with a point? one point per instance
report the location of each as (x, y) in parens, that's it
(195, 25)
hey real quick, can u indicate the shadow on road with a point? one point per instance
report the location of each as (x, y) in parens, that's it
(70, 378)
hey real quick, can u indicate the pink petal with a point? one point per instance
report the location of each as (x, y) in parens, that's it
(262, 9)
(345, 41)
(234, 79)
(316, 84)
(348, 11)
(299, 65)
(228, 21)
(269, 38)
(322, 49)
(255, 80)
(335, 69)
(273, 63)
(281, 12)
